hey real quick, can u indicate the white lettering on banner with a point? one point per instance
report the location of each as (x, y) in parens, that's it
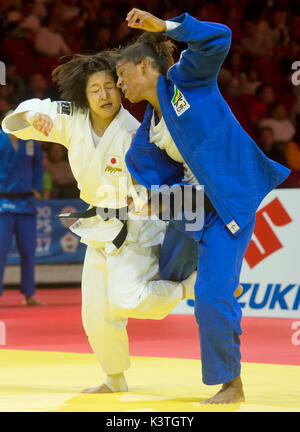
(296, 334)
(296, 75)
(43, 212)
(44, 219)
(43, 245)
(44, 225)
(44, 229)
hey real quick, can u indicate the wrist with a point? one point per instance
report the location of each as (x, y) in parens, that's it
(171, 25)
(28, 116)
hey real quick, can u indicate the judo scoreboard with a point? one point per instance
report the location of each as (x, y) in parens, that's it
(55, 243)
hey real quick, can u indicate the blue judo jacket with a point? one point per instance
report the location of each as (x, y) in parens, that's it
(21, 171)
(235, 173)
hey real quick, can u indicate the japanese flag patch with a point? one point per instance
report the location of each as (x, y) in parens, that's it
(179, 102)
(113, 165)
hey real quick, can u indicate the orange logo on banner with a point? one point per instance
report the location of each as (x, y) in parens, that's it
(264, 233)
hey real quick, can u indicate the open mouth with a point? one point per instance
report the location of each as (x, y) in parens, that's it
(106, 106)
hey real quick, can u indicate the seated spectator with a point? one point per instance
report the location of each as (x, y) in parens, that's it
(257, 107)
(4, 107)
(233, 20)
(49, 41)
(18, 47)
(207, 11)
(38, 88)
(253, 42)
(15, 86)
(64, 184)
(275, 30)
(279, 121)
(271, 148)
(31, 23)
(251, 82)
(69, 10)
(231, 74)
(103, 37)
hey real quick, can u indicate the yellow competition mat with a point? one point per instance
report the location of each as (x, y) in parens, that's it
(39, 381)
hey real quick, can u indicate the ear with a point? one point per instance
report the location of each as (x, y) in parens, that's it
(145, 63)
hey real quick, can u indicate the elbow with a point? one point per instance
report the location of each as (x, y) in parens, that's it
(227, 32)
(224, 42)
(226, 37)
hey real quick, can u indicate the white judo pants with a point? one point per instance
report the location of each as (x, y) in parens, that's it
(118, 287)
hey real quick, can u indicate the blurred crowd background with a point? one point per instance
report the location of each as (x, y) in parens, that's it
(255, 79)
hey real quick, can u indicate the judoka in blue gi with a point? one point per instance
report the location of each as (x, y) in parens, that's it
(189, 135)
(21, 179)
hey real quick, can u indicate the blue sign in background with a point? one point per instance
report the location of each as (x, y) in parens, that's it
(55, 242)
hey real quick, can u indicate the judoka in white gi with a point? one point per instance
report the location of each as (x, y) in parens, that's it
(117, 283)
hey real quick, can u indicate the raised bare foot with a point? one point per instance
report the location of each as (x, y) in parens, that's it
(103, 388)
(231, 392)
(32, 301)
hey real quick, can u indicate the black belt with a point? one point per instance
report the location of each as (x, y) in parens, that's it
(16, 195)
(106, 214)
(208, 206)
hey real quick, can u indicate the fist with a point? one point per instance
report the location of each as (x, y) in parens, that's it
(142, 20)
(42, 123)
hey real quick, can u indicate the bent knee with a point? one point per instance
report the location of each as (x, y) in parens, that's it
(120, 303)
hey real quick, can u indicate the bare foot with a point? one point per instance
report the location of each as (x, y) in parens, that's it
(231, 392)
(31, 301)
(103, 388)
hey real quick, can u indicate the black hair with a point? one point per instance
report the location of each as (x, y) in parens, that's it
(152, 45)
(71, 77)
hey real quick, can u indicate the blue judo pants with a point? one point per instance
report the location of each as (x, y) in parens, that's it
(24, 228)
(217, 255)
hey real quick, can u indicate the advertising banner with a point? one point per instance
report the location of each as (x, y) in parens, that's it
(271, 269)
(55, 242)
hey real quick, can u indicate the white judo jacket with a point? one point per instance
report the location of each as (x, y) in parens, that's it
(101, 172)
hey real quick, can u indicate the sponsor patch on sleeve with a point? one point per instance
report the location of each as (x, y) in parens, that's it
(64, 107)
(179, 102)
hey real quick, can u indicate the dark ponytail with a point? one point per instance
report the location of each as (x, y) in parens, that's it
(152, 45)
